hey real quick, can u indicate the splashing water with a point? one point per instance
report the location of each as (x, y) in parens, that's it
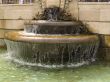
(52, 55)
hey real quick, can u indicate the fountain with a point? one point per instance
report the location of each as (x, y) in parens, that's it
(55, 40)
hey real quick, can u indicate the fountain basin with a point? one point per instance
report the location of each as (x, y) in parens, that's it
(45, 38)
(52, 50)
(51, 23)
(54, 27)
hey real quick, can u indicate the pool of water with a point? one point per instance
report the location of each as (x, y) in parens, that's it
(10, 72)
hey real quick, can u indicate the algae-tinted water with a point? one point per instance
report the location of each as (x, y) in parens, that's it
(10, 72)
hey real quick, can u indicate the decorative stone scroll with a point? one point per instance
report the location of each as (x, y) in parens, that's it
(64, 4)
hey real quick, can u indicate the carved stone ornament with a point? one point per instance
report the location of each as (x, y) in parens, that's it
(64, 4)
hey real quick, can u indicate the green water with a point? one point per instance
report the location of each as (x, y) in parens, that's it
(10, 72)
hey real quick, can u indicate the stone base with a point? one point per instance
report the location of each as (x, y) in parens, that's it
(107, 54)
(104, 54)
(2, 43)
(101, 54)
(104, 48)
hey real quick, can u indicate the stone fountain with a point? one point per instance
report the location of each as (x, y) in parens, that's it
(55, 40)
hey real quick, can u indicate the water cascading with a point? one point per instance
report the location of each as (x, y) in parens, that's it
(55, 40)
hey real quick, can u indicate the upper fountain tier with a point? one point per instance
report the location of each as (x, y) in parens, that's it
(55, 20)
(51, 23)
(54, 27)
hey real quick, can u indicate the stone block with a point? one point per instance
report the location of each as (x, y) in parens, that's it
(14, 24)
(105, 15)
(104, 41)
(89, 14)
(52, 3)
(18, 14)
(2, 43)
(73, 8)
(19, 11)
(2, 23)
(107, 54)
(99, 27)
(2, 31)
(94, 11)
(1, 13)
(107, 40)
(103, 54)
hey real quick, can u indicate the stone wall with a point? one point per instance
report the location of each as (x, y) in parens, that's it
(13, 16)
(97, 17)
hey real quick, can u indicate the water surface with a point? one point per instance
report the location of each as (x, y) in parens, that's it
(10, 72)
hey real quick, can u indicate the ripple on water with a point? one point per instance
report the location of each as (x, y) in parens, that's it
(9, 72)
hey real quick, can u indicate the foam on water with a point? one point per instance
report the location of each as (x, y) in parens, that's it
(26, 33)
(21, 62)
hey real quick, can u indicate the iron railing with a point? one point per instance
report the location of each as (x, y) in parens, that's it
(94, 0)
(17, 1)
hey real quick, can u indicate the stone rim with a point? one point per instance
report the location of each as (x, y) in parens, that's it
(18, 36)
(50, 23)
